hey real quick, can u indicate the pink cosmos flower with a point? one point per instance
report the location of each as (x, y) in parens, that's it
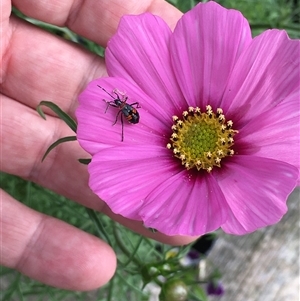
(217, 142)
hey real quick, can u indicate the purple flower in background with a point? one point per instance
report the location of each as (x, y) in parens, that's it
(215, 289)
(217, 142)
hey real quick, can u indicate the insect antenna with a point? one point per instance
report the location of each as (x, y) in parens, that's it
(106, 92)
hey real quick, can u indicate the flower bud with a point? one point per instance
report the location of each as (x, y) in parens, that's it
(149, 272)
(174, 290)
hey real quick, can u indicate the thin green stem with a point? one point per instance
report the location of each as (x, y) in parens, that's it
(157, 253)
(123, 248)
(19, 292)
(122, 278)
(130, 259)
(99, 226)
(12, 288)
(110, 289)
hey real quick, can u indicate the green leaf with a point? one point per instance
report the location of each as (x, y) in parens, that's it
(59, 141)
(85, 161)
(199, 293)
(59, 112)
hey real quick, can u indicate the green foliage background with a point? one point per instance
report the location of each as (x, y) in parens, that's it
(262, 14)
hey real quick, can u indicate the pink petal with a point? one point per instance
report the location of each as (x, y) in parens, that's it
(123, 176)
(266, 73)
(274, 134)
(185, 205)
(256, 191)
(206, 44)
(95, 127)
(139, 52)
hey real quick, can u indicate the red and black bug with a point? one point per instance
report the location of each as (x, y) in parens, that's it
(127, 110)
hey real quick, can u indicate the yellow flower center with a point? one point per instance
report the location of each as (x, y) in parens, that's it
(202, 139)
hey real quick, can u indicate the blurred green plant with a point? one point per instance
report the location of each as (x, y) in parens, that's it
(262, 15)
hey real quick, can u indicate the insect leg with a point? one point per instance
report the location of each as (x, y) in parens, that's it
(122, 127)
(106, 106)
(109, 103)
(118, 93)
(117, 118)
(135, 103)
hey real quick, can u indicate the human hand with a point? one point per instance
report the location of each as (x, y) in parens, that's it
(39, 66)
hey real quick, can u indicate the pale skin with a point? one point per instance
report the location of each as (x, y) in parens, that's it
(36, 66)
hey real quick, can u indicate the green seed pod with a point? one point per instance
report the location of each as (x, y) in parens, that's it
(174, 290)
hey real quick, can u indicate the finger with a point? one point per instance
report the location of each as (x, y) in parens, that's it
(51, 251)
(96, 20)
(40, 66)
(59, 71)
(138, 227)
(25, 136)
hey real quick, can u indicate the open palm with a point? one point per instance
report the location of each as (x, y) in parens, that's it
(35, 66)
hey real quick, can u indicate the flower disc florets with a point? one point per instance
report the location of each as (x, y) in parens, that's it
(202, 139)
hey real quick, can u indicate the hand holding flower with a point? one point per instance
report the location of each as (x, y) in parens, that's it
(36, 65)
